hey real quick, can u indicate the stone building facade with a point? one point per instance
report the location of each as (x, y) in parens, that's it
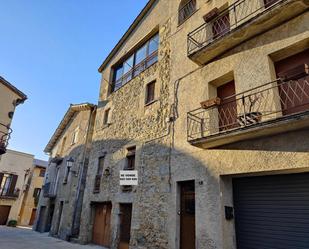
(60, 204)
(208, 101)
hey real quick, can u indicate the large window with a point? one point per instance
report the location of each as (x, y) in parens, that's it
(8, 184)
(140, 60)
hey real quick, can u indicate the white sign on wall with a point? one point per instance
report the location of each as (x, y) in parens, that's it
(128, 177)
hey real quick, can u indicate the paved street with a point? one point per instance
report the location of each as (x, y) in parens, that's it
(21, 238)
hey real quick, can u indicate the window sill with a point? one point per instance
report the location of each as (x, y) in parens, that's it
(151, 102)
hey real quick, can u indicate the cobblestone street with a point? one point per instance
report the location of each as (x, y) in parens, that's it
(23, 238)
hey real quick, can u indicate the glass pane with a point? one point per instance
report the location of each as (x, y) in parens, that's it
(118, 72)
(141, 54)
(127, 69)
(118, 77)
(153, 44)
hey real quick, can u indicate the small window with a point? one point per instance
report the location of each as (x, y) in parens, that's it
(63, 145)
(150, 92)
(106, 116)
(75, 137)
(98, 177)
(100, 165)
(66, 174)
(42, 172)
(186, 9)
(36, 192)
(130, 165)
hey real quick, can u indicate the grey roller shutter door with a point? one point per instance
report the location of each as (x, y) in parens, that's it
(272, 212)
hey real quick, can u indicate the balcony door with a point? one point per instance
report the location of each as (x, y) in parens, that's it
(294, 93)
(228, 107)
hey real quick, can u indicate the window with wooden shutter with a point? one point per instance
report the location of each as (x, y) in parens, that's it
(97, 180)
(186, 9)
(12, 185)
(106, 117)
(130, 159)
(150, 92)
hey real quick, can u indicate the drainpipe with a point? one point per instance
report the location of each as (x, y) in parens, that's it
(82, 179)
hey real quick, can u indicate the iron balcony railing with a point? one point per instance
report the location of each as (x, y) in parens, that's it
(136, 70)
(270, 102)
(49, 190)
(5, 134)
(237, 14)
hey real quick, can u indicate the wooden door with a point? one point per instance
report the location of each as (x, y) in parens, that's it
(32, 218)
(187, 215)
(59, 217)
(125, 225)
(4, 214)
(294, 95)
(221, 26)
(101, 228)
(228, 107)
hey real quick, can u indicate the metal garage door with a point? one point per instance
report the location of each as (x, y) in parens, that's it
(272, 212)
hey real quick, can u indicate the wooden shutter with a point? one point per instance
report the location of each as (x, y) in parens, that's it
(13, 185)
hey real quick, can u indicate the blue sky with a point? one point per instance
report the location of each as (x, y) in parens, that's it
(51, 51)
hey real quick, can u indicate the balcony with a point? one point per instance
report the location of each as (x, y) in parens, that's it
(5, 133)
(272, 108)
(10, 195)
(49, 190)
(239, 22)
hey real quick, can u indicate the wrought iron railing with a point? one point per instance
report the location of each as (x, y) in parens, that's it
(136, 70)
(10, 195)
(229, 19)
(5, 134)
(270, 102)
(186, 11)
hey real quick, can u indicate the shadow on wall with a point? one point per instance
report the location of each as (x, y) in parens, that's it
(155, 201)
(294, 141)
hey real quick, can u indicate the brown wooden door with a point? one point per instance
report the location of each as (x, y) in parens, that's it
(221, 26)
(228, 107)
(101, 228)
(32, 218)
(4, 214)
(187, 215)
(294, 95)
(125, 225)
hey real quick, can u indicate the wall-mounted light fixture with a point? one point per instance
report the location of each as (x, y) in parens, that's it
(107, 172)
(70, 163)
